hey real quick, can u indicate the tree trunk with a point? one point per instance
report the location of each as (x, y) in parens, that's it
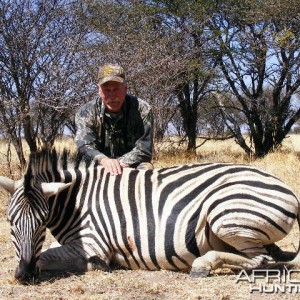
(17, 142)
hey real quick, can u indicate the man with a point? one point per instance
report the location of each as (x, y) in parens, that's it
(116, 129)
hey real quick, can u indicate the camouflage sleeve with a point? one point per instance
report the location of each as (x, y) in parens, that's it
(142, 152)
(88, 131)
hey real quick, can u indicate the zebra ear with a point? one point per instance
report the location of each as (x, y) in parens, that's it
(53, 188)
(10, 185)
(7, 184)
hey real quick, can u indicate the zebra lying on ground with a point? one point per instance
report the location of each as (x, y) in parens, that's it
(196, 217)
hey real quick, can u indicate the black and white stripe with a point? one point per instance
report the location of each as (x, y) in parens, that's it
(154, 219)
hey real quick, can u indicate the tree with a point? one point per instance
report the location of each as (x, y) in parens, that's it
(161, 44)
(40, 69)
(256, 45)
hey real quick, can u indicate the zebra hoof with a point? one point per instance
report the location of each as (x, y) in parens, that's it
(199, 273)
(96, 263)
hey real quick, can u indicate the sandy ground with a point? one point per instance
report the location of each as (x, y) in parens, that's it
(123, 284)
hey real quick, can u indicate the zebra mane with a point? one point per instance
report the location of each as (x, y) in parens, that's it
(45, 165)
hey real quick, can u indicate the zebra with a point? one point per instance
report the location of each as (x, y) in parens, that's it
(194, 217)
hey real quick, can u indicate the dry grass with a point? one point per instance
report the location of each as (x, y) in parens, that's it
(143, 284)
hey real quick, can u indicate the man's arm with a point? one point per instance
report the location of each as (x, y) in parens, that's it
(88, 131)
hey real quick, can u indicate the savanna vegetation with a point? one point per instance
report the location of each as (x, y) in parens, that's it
(223, 81)
(210, 69)
(125, 284)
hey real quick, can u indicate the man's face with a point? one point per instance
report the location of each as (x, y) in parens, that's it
(113, 95)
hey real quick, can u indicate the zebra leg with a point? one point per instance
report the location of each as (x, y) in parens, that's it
(69, 258)
(212, 260)
(250, 254)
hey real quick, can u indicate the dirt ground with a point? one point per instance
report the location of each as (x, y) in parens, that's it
(123, 284)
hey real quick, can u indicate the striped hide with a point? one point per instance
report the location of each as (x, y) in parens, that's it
(195, 217)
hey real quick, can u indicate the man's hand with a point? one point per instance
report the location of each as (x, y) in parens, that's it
(112, 166)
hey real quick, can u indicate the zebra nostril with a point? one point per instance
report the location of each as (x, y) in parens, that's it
(26, 277)
(26, 273)
(22, 277)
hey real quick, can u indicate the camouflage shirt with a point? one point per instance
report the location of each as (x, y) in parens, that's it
(126, 135)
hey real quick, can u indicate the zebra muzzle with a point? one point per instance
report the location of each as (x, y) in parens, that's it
(26, 273)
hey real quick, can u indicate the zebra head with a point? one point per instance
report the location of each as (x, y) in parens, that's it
(28, 210)
(27, 213)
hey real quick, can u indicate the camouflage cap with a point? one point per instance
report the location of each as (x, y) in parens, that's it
(109, 72)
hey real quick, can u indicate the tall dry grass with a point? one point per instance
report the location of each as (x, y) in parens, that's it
(10, 167)
(284, 163)
(145, 285)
